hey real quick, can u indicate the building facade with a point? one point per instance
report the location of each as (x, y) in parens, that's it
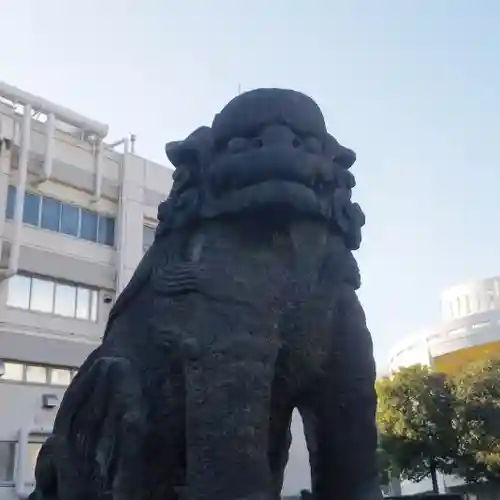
(76, 214)
(469, 330)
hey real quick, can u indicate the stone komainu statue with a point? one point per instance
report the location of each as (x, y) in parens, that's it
(243, 309)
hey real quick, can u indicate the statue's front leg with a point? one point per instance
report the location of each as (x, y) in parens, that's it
(339, 410)
(96, 445)
(229, 374)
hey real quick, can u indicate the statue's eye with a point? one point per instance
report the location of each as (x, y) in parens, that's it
(238, 145)
(313, 145)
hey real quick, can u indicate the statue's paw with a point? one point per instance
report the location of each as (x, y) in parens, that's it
(97, 431)
(258, 496)
(368, 492)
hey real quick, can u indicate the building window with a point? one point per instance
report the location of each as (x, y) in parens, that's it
(31, 212)
(491, 300)
(480, 303)
(7, 459)
(88, 229)
(148, 236)
(11, 202)
(33, 449)
(19, 291)
(52, 297)
(82, 303)
(59, 376)
(467, 308)
(53, 215)
(70, 220)
(106, 232)
(93, 305)
(42, 295)
(65, 300)
(15, 371)
(449, 310)
(36, 374)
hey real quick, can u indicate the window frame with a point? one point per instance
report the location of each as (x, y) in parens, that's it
(110, 220)
(39, 440)
(26, 462)
(43, 280)
(49, 201)
(96, 216)
(11, 466)
(10, 205)
(147, 226)
(93, 298)
(36, 366)
(48, 371)
(104, 216)
(78, 220)
(17, 363)
(59, 286)
(52, 369)
(27, 195)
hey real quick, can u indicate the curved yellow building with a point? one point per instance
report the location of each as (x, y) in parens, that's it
(469, 331)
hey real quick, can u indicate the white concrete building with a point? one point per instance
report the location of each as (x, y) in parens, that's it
(75, 216)
(469, 330)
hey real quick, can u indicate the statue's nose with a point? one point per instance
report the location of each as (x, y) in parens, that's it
(276, 135)
(272, 135)
(281, 135)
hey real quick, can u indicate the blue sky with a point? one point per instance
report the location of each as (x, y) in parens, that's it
(412, 86)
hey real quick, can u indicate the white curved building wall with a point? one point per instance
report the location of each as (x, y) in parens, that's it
(470, 318)
(471, 298)
(411, 351)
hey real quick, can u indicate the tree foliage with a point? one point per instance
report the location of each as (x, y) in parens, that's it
(477, 422)
(415, 415)
(429, 423)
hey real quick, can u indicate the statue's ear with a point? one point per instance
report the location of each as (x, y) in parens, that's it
(341, 155)
(345, 157)
(179, 153)
(193, 150)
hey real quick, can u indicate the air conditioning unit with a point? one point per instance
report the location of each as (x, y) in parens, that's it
(49, 401)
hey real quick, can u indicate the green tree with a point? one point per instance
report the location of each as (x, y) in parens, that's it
(385, 466)
(389, 473)
(415, 414)
(477, 423)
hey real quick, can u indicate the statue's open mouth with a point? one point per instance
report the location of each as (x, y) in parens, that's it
(268, 178)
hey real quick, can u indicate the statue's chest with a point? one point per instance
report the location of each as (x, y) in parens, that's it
(259, 302)
(274, 286)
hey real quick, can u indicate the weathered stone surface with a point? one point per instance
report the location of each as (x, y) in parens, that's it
(243, 309)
